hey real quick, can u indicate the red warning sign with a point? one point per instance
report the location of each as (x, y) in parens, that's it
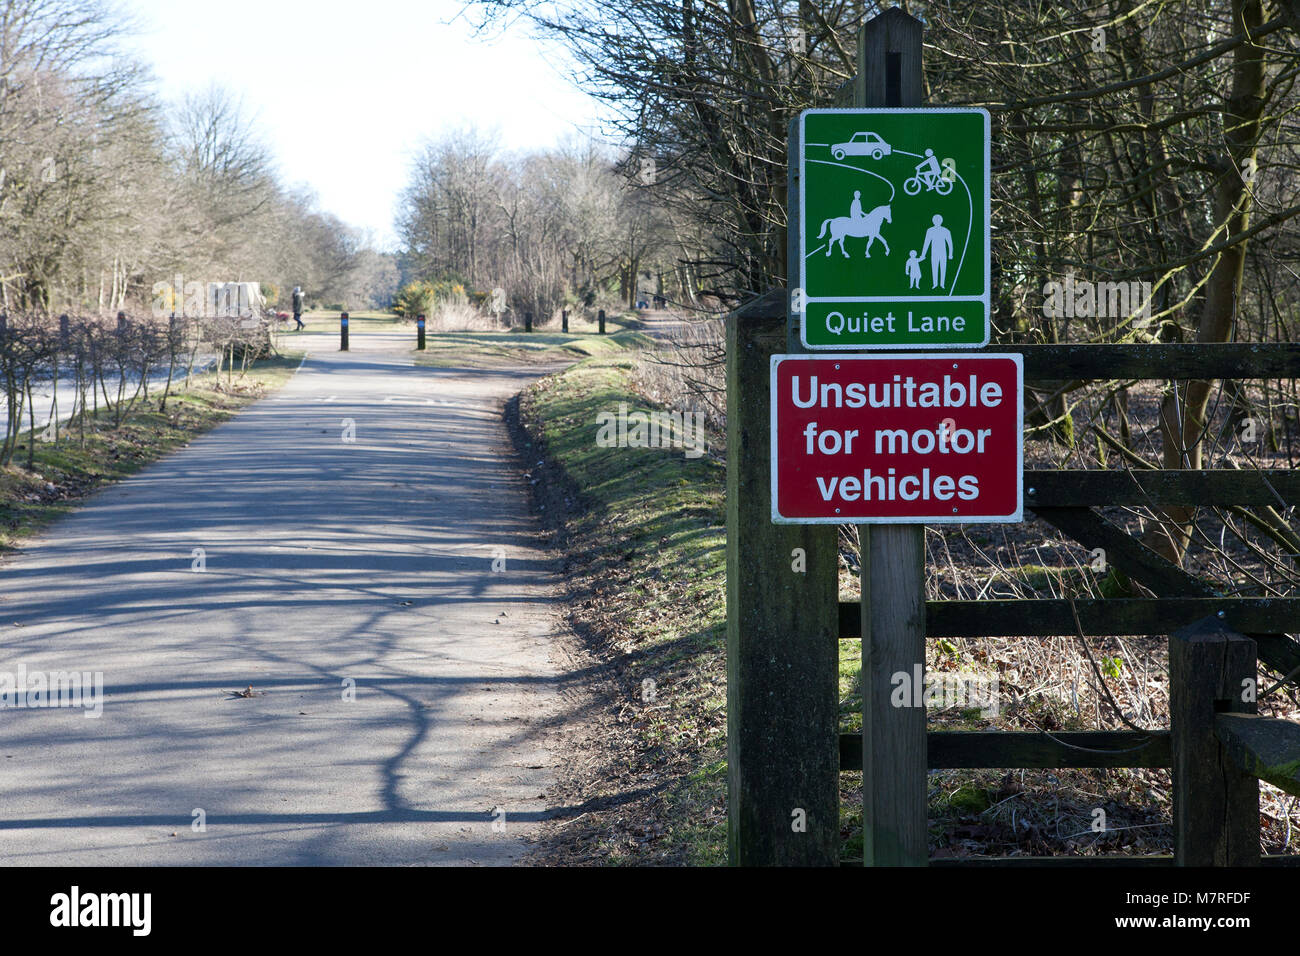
(881, 439)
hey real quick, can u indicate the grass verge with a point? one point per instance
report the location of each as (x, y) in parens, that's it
(643, 531)
(474, 348)
(67, 471)
(320, 320)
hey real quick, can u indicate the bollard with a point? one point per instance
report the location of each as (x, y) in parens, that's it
(600, 317)
(343, 332)
(528, 321)
(564, 320)
(419, 332)
(65, 333)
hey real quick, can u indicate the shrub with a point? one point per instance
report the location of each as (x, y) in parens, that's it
(422, 296)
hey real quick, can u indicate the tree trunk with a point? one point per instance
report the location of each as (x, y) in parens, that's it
(1182, 412)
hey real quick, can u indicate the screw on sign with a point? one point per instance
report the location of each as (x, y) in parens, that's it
(896, 438)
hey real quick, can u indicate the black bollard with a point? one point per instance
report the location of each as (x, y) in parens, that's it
(343, 332)
(528, 321)
(564, 320)
(600, 317)
(419, 332)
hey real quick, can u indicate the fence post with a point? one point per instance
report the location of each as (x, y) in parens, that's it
(528, 321)
(894, 793)
(343, 332)
(564, 320)
(600, 318)
(782, 630)
(1216, 804)
(419, 332)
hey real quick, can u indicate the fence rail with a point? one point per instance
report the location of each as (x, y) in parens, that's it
(1097, 617)
(1013, 749)
(1229, 486)
(1182, 361)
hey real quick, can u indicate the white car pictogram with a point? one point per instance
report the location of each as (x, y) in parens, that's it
(862, 144)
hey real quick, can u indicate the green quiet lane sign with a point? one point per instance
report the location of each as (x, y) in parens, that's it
(894, 220)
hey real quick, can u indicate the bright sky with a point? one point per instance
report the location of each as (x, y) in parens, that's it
(345, 92)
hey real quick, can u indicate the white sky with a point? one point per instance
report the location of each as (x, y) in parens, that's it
(345, 91)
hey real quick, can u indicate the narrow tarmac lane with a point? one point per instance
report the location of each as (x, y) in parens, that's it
(385, 597)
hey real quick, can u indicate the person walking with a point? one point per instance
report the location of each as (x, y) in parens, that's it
(938, 242)
(297, 308)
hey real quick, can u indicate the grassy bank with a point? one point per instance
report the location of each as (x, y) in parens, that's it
(643, 529)
(66, 471)
(445, 349)
(320, 320)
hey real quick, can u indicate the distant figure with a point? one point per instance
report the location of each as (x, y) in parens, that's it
(297, 308)
(913, 271)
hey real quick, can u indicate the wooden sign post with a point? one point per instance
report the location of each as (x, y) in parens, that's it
(894, 831)
(783, 757)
